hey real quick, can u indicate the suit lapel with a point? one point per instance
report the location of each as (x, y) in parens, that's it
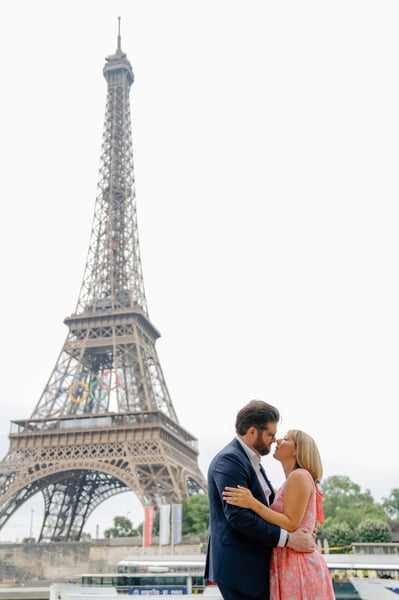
(255, 478)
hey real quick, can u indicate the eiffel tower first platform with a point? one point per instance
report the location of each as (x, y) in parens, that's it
(105, 423)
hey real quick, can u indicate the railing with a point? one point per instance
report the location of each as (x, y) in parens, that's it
(136, 419)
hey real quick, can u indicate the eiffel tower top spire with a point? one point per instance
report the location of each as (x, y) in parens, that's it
(118, 59)
(113, 276)
(119, 35)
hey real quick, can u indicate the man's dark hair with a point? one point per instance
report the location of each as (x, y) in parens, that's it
(256, 414)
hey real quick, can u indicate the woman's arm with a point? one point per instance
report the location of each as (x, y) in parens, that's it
(298, 489)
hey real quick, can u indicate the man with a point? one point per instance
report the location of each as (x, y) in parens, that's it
(240, 542)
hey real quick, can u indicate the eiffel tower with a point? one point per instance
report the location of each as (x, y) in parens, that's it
(105, 423)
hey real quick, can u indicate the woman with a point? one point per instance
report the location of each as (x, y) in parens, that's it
(298, 503)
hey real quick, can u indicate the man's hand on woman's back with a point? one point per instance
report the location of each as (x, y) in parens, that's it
(301, 541)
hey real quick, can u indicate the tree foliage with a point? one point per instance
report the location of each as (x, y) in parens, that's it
(340, 493)
(123, 527)
(346, 505)
(339, 537)
(373, 530)
(196, 514)
(391, 504)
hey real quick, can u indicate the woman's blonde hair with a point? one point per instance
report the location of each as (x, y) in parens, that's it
(307, 453)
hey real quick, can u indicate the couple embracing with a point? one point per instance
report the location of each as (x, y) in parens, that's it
(262, 546)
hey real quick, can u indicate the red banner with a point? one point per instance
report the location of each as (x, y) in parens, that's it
(148, 525)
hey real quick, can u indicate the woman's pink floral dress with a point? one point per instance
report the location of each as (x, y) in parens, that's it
(300, 575)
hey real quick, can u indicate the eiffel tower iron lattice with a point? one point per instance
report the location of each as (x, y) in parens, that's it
(105, 423)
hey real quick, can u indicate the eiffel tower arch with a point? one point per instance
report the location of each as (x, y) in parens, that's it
(105, 423)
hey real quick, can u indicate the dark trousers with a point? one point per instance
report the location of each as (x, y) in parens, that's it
(230, 594)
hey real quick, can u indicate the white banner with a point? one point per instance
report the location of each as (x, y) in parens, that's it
(164, 524)
(177, 523)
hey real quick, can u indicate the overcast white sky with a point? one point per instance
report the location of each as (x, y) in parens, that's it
(266, 151)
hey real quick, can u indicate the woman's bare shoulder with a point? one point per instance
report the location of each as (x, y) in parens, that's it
(300, 476)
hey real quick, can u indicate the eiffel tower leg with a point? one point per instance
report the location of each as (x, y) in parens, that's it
(14, 502)
(70, 502)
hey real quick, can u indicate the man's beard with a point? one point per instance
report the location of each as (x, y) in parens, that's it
(259, 445)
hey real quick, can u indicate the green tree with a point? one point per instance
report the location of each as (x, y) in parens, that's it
(354, 516)
(391, 505)
(373, 530)
(196, 515)
(339, 537)
(340, 493)
(123, 527)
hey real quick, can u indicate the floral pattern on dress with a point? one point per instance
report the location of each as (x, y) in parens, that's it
(299, 575)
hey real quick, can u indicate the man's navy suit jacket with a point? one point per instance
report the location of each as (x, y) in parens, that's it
(240, 542)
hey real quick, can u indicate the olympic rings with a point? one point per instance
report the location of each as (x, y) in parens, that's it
(77, 385)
